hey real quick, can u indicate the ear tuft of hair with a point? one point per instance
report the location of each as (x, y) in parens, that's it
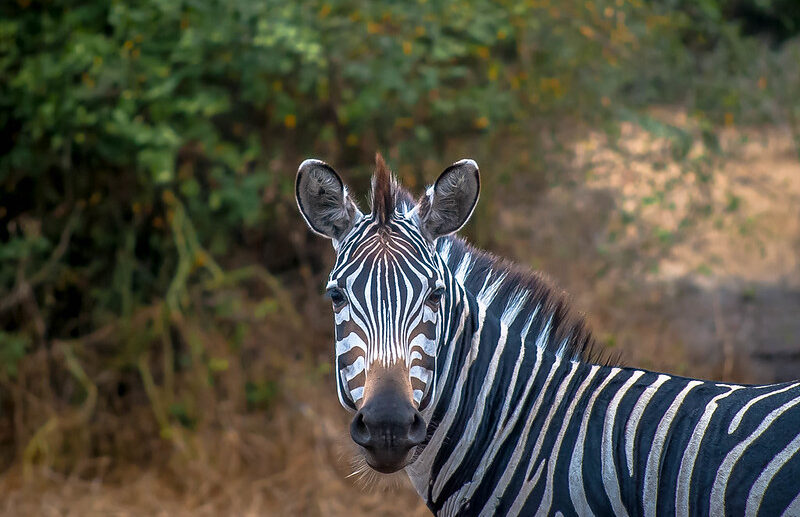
(383, 191)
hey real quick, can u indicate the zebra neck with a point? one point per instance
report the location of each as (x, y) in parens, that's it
(506, 404)
(520, 425)
(525, 431)
(488, 368)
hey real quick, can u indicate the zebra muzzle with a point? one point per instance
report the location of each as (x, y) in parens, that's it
(387, 428)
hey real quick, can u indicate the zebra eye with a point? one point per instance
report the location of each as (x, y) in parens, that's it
(436, 296)
(337, 297)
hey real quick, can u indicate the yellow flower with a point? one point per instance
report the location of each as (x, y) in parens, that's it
(483, 52)
(407, 48)
(290, 121)
(325, 11)
(481, 122)
(373, 28)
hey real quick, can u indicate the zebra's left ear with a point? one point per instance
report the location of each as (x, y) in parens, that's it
(450, 201)
(324, 202)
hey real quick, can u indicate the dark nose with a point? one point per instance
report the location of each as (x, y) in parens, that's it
(387, 428)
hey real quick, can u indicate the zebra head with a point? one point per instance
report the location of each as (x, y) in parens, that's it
(388, 290)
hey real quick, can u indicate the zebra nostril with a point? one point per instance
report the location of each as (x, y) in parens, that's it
(359, 430)
(418, 430)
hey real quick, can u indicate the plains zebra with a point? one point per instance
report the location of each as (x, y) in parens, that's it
(472, 375)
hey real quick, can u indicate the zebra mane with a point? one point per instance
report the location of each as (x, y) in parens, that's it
(385, 191)
(555, 325)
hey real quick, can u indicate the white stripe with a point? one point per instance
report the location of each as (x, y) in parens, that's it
(794, 508)
(420, 373)
(691, 450)
(563, 348)
(636, 416)
(547, 498)
(489, 291)
(651, 479)
(513, 307)
(342, 316)
(349, 372)
(350, 341)
(541, 339)
(737, 419)
(424, 343)
(357, 393)
(610, 480)
(527, 486)
(756, 495)
(576, 489)
(444, 252)
(717, 504)
(463, 267)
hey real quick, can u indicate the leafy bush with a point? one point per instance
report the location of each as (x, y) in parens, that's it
(114, 114)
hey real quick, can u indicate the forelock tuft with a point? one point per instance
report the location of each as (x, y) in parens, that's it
(384, 191)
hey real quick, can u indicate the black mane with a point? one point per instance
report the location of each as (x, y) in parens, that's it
(568, 331)
(568, 335)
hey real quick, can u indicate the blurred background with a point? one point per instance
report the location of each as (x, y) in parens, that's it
(164, 344)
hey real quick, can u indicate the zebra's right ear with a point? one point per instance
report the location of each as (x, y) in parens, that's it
(449, 202)
(323, 200)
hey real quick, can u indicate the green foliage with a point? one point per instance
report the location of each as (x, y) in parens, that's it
(116, 114)
(12, 348)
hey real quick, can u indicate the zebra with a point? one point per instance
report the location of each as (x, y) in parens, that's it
(475, 376)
